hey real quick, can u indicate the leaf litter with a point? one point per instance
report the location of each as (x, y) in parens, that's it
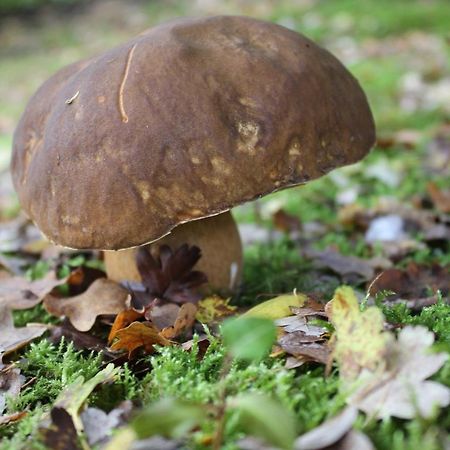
(301, 337)
(168, 278)
(417, 281)
(61, 434)
(99, 425)
(102, 297)
(20, 293)
(137, 335)
(13, 338)
(350, 268)
(384, 375)
(11, 382)
(73, 398)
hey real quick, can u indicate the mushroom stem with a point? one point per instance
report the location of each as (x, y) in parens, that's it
(216, 236)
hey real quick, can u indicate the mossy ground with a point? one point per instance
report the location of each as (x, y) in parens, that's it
(177, 373)
(270, 267)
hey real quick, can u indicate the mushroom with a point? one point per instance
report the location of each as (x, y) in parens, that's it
(156, 140)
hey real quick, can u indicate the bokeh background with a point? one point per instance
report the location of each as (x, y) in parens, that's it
(398, 49)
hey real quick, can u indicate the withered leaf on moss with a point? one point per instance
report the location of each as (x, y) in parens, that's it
(20, 293)
(414, 282)
(102, 297)
(137, 335)
(12, 338)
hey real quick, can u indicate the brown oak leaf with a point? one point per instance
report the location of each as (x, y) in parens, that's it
(12, 338)
(184, 321)
(102, 297)
(20, 293)
(136, 335)
(80, 340)
(413, 283)
(122, 320)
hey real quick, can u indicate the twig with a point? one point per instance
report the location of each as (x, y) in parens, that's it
(70, 100)
(122, 84)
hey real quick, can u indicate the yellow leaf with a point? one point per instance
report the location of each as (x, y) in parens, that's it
(360, 340)
(214, 308)
(278, 307)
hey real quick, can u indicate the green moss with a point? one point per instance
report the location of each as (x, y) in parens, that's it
(126, 386)
(17, 436)
(394, 434)
(180, 374)
(436, 318)
(277, 268)
(271, 269)
(53, 368)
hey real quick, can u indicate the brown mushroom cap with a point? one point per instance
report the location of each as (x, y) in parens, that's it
(183, 122)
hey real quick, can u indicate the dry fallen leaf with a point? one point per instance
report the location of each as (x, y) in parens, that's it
(387, 228)
(408, 138)
(169, 277)
(19, 293)
(11, 338)
(360, 340)
(309, 348)
(14, 417)
(214, 308)
(81, 341)
(414, 282)
(162, 316)
(122, 320)
(17, 233)
(136, 335)
(99, 425)
(252, 233)
(299, 323)
(381, 375)
(353, 440)
(329, 432)
(286, 222)
(11, 382)
(102, 297)
(277, 307)
(61, 434)
(402, 390)
(202, 342)
(350, 268)
(184, 321)
(440, 197)
(301, 339)
(75, 395)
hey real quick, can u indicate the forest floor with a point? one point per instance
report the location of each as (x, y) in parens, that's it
(380, 227)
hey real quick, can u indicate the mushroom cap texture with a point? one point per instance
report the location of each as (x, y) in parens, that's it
(185, 121)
